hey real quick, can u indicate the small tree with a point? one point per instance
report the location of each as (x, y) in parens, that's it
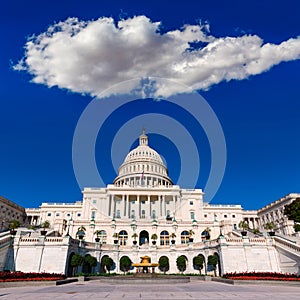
(125, 264)
(191, 233)
(181, 263)
(76, 261)
(269, 226)
(164, 264)
(198, 263)
(107, 263)
(14, 224)
(212, 260)
(91, 261)
(46, 224)
(81, 232)
(154, 236)
(243, 225)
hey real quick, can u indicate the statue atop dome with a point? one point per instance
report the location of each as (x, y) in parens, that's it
(143, 138)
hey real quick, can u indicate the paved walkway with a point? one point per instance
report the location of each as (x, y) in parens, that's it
(192, 290)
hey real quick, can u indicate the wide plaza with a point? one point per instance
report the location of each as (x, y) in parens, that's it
(193, 290)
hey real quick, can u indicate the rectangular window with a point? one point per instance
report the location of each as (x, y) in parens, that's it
(191, 203)
(118, 214)
(143, 201)
(93, 215)
(94, 201)
(192, 215)
(57, 214)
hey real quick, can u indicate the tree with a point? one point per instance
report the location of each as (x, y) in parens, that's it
(212, 260)
(81, 232)
(181, 263)
(91, 261)
(76, 261)
(198, 263)
(154, 236)
(269, 226)
(243, 225)
(292, 210)
(107, 263)
(125, 264)
(164, 265)
(13, 225)
(46, 224)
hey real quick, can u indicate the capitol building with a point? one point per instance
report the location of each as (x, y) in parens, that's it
(143, 213)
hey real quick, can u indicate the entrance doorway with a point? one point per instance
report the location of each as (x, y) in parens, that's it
(144, 237)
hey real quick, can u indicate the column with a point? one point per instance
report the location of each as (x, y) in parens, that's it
(160, 205)
(114, 205)
(149, 205)
(139, 205)
(164, 205)
(109, 205)
(124, 204)
(174, 204)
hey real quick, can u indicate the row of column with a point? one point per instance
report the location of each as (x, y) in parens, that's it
(161, 210)
(145, 181)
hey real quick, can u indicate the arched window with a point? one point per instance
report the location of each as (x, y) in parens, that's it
(164, 238)
(123, 237)
(184, 237)
(103, 236)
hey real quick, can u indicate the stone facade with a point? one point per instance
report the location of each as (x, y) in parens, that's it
(10, 211)
(124, 217)
(274, 212)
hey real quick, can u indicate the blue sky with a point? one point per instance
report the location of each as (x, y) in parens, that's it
(259, 114)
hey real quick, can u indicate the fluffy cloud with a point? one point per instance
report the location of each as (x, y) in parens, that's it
(89, 57)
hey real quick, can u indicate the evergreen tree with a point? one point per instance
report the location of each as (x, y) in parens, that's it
(164, 264)
(107, 262)
(76, 261)
(181, 263)
(198, 263)
(125, 264)
(213, 261)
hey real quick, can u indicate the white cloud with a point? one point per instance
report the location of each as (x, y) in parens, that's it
(89, 57)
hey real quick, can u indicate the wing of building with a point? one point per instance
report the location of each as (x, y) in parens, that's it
(144, 213)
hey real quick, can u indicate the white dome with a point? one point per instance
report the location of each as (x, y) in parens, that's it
(143, 166)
